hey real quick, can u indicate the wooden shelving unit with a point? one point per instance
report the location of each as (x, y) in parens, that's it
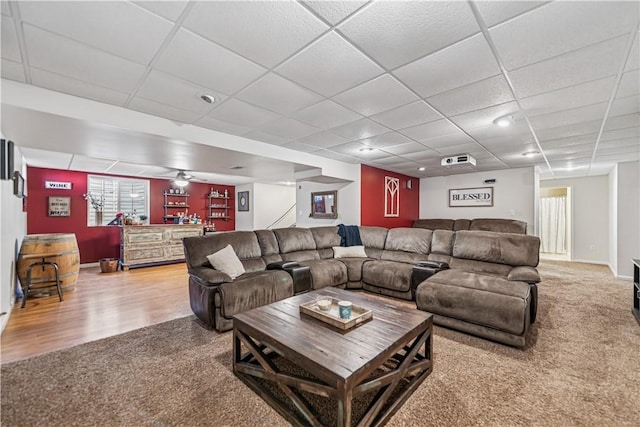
(174, 203)
(218, 207)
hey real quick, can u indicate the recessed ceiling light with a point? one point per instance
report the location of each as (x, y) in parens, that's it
(504, 121)
(366, 149)
(209, 99)
(421, 168)
(530, 153)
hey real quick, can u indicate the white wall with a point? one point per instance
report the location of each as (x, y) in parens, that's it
(348, 203)
(514, 194)
(271, 202)
(13, 227)
(613, 220)
(244, 219)
(590, 219)
(628, 246)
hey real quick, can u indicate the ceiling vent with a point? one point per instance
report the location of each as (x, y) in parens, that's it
(459, 160)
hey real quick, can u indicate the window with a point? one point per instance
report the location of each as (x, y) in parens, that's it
(111, 195)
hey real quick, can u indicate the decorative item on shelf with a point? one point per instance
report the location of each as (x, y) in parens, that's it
(97, 203)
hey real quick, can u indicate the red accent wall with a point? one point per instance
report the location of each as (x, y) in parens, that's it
(104, 242)
(372, 198)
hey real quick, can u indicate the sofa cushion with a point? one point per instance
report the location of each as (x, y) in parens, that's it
(244, 243)
(226, 261)
(354, 268)
(373, 237)
(461, 224)
(499, 225)
(442, 242)
(294, 239)
(524, 274)
(504, 248)
(349, 252)
(325, 237)
(388, 274)
(480, 267)
(416, 240)
(477, 298)
(267, 242)
(254, 290)
(326, 272)
(434, 223)
(301, 256)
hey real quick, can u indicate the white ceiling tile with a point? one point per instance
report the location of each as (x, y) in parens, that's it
(129, 169)
(485, 116)
(569, 97)
(63, 56)
(584, 128)
(266, 138)
(494, 12)
(337, 156)
(409, 115)
(289, 128)
(323, 140)
(300, 147)
(334, 11)
(453, 150)
(410, 147)
(633, 132)
(482, 94)
(391, 160)
(222, 126)
(360, 129)
(386, 140)
(278, 94)
(249, 28)
(430, 130)
(382, 29)
(329, 66)
(12, 70)
(92, 23)
(170, 90)
(627, 143)
(570, 141)
(198, 60)
(170, 10)
(546, 32)
(465, 62)
(354, 149)
(375, 96)
(621, 122)
(583, 65)
(76, 87)
(326, 114)
(162, 110)
(633, 62)
(567, 117)
(243, 114)
(629, 84)
(6, 10)
(46, 159)
(10, 48)
(627, 105)
(438, 142)
(84, 163)
(519, 131)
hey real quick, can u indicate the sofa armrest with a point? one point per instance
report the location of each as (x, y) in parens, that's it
(208, 275)
(281, 265)
(433, 264)
(524, 274)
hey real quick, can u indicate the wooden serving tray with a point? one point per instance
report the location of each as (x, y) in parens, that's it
(332, 316)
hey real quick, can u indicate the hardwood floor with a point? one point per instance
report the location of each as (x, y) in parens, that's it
(102, 305)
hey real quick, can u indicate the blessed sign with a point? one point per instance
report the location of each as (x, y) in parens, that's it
(471, 197)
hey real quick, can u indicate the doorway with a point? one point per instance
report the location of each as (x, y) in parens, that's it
(555, 223)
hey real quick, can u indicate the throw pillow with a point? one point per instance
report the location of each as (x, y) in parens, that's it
(349, 252)
(227, 261)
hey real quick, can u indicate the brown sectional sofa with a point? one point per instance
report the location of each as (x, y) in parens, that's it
(498, 225)
(489, 290)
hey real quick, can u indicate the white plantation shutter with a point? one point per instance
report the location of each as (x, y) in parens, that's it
(117, 195)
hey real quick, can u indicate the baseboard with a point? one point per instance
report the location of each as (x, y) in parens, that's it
(629, 278)
(90, 264)
(592, 262)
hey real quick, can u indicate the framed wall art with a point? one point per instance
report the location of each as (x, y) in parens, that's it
(243, 201)
(481, 196)
(59, 206)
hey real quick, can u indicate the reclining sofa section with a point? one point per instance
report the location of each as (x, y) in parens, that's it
(489, 291)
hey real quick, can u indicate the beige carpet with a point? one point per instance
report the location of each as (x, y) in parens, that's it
(582, 367)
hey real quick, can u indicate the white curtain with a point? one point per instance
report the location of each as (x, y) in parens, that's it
(553, 224)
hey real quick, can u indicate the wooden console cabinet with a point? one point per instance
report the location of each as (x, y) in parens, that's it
(143, 245)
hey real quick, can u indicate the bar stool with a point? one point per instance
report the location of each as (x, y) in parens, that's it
(43, 263)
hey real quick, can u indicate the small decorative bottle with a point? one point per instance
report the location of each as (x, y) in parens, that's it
(226, 193)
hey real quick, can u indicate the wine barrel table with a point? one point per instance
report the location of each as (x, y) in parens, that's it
(41, 246)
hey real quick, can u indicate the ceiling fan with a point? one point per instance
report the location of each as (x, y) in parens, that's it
(182, 178)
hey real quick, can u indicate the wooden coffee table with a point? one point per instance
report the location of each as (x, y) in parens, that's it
(287, 357)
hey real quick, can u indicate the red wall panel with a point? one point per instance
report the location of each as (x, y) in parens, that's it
(372, 188)
(103, 242)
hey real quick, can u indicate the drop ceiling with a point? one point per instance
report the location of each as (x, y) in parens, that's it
(415, 80)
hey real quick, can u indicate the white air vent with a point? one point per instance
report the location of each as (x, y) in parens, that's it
(459, 160)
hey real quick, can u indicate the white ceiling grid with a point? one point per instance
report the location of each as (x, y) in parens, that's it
(416, 80)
